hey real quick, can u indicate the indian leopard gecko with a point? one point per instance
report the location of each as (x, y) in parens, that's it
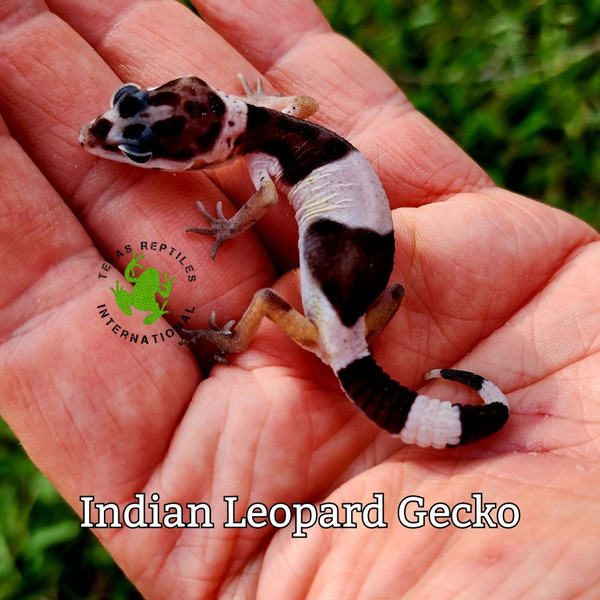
(346, 240)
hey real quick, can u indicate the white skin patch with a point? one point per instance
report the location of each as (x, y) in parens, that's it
(259, 163)
(234, 124)
(432, 422)
(339, 190)
(345, 190)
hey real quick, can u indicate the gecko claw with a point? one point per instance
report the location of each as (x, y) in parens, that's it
(220, 358)
(212, 321)
(226, 329)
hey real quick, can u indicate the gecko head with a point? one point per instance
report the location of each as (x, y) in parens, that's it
(169, 127)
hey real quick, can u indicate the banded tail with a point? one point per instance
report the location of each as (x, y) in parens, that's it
(420, 420)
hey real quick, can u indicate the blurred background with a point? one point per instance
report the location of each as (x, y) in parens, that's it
(516, 84)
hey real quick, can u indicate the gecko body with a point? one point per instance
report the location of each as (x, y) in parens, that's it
(346, 240)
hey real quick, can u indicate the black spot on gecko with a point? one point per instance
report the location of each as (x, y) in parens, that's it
(129, 106)
(171, 127)
(163, 99)
(217, 106)
(302, 128)
(101, 128)
(195, 109)
(299, 146)
(322, 151)
(185, 154)
(257, 117)
(134, 132)
(474, 381)
(352, 265)
(282, 150)
(206, 140)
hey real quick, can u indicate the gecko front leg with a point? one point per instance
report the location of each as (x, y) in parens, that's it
(224, 229)
(297, 106)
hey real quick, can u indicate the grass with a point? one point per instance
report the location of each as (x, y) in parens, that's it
(517, 85)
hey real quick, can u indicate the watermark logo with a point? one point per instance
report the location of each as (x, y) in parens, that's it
(141, 298)
(145, 287)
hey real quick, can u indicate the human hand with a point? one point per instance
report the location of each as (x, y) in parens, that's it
(489, 274)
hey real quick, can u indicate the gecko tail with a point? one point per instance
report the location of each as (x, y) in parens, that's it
(418, 419)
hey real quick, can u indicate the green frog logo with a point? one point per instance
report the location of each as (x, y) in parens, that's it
(145, 287)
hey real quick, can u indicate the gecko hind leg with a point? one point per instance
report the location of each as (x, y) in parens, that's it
(266, 303)
(381, 312)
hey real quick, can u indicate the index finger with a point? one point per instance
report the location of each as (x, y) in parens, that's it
(294, 46)
(45, 102)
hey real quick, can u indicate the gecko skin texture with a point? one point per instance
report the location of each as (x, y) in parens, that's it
(346, 240)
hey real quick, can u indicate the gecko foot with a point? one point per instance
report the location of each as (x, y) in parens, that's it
(297, 106)
(215, 334)
(220, 227)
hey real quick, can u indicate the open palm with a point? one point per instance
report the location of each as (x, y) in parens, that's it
(496, 283)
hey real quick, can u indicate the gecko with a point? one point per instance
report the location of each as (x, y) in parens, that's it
(346, 239)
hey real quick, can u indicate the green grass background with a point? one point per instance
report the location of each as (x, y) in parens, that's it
(516, 84)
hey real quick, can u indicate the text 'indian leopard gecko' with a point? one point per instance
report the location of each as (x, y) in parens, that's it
(346, 240)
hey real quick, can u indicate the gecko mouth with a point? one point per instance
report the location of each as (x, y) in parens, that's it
(133, 154)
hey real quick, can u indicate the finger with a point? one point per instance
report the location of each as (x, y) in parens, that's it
(551, 350)
(242, 25)
(416, 162)
(46, 102)
(130, 38)
(68, 384)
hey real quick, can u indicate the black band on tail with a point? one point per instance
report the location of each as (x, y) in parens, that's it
(382, 399)
(478, 421)
(472, 380)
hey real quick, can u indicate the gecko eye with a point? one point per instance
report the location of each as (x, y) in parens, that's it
(134, 155)
(128, 88)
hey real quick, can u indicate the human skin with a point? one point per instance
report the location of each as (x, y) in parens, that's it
(496, 283)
